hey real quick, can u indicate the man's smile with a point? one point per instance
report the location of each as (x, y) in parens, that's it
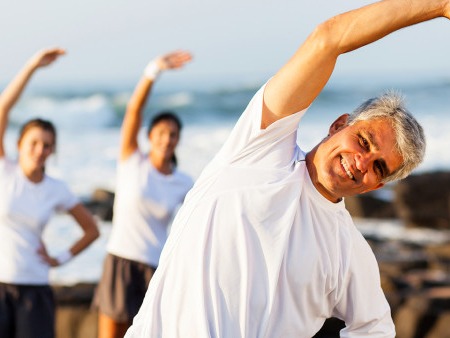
(347, 169)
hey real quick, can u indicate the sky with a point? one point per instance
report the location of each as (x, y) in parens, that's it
(111, 41)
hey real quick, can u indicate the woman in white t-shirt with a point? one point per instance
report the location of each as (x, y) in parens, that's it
(148, 193)
(29, 197)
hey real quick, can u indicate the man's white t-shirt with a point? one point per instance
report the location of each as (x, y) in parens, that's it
(25, 209)
(144, 207)
(257, 251)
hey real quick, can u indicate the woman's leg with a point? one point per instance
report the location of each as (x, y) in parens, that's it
(109, 328)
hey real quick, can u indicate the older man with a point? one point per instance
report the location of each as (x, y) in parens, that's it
(263, 246)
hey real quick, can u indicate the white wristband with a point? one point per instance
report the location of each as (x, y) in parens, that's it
(64, 257)
(152, 70)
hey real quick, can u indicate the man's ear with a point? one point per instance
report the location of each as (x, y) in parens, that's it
(340, 122)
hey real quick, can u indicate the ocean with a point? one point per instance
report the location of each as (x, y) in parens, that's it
(88, 121)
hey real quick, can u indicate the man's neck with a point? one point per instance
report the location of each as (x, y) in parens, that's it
(312, 171)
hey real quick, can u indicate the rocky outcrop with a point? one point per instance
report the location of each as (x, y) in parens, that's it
(101, 204)
(370, 206)
(421, 200)
(74, 316)
(424, 200)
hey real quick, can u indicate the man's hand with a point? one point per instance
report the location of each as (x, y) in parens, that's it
(447, 10)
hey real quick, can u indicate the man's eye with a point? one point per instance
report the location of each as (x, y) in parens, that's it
(379, 169)
(364, 142)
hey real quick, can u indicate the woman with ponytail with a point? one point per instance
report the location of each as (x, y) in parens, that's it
(149, 191)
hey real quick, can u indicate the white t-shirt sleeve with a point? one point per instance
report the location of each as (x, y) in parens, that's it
(362, 304)
(248, 144)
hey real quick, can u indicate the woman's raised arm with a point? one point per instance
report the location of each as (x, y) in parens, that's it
(12, 92)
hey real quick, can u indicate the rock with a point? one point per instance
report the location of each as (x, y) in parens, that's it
(76, 322)
(425, 315)
(369, 206)
(77, 294)
(424, 200)
(101, 204)
(74, 316)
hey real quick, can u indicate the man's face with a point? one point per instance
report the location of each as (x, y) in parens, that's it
(353, 159)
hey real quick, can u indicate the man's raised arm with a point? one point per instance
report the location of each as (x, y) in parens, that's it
(300, 81)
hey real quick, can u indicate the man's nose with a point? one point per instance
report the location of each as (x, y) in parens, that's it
(362, 161)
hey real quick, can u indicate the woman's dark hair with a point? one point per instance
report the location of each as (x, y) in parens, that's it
(166, 116)
(38, 123)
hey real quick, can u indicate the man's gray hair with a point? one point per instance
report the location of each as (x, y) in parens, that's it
(409, 134)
